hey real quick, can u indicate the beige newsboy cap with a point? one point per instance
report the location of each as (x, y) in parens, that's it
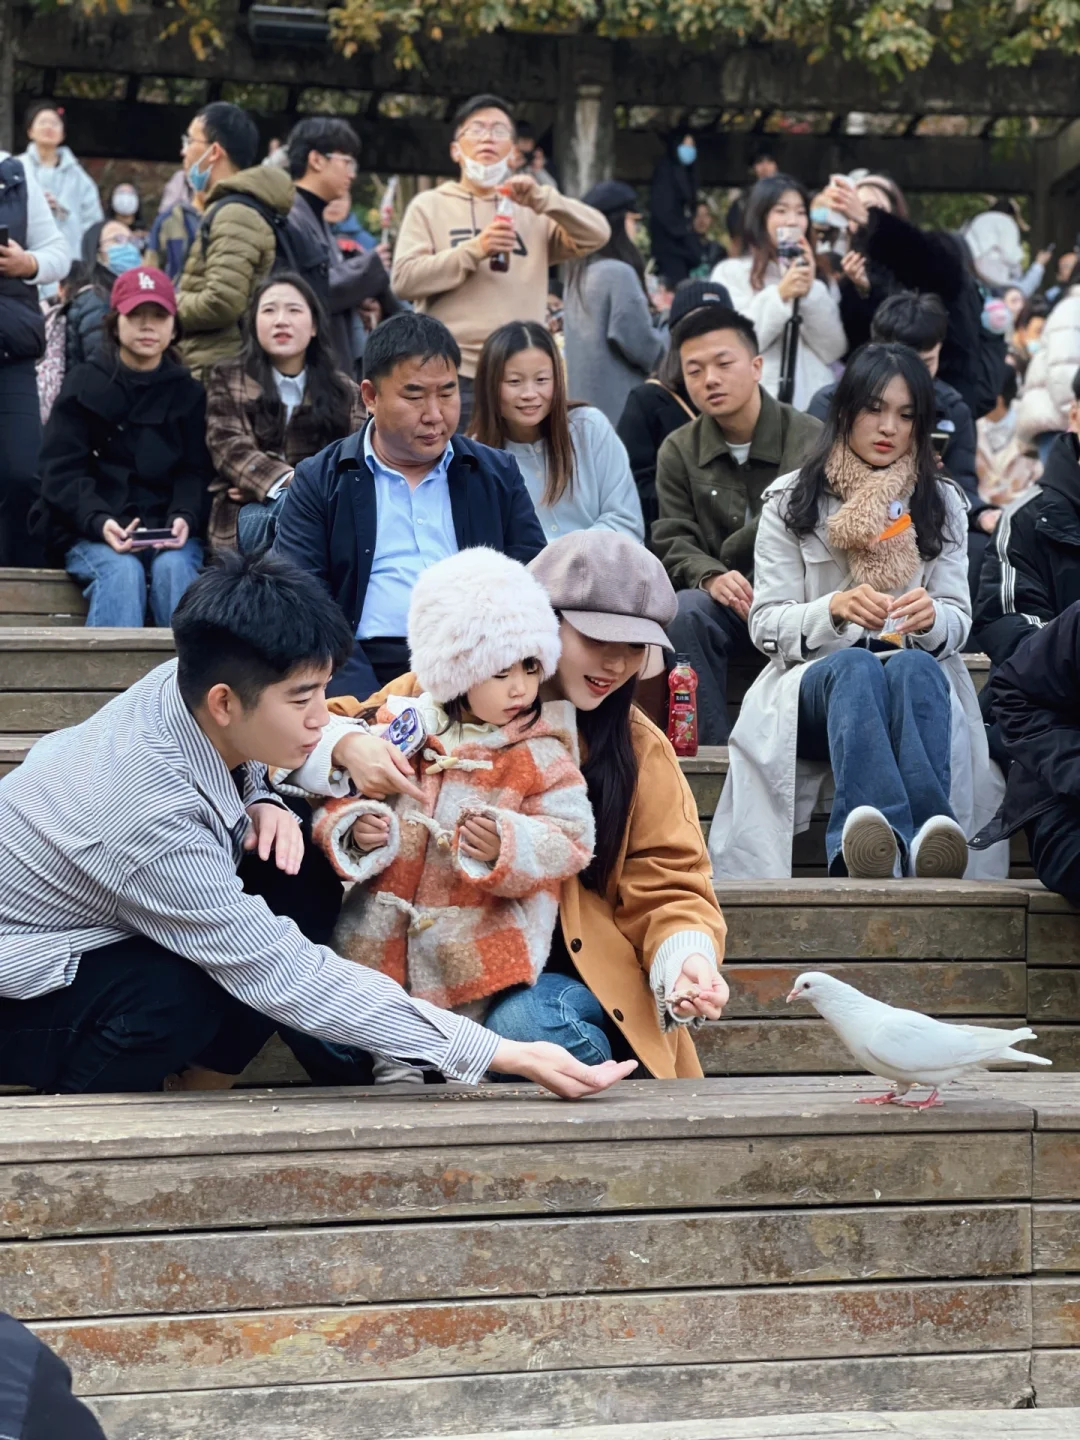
(607, 586)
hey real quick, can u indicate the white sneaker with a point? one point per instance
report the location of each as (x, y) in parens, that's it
(869, 846)
(939, 851)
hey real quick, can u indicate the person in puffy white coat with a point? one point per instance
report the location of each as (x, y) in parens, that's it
(916, 762)
(1043, 409)
(764, 290)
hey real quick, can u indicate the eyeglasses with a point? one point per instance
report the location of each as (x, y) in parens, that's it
(348, 160)
(476, 130)
(188, 139)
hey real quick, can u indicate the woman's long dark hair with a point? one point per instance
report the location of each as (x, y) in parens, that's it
(610, 769)
(618, 246)
(325, 389)
(864, 380)
(488, 425)
(765, 194)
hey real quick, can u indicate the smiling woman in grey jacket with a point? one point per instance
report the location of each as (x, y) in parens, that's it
(612, 341)
(575, 467)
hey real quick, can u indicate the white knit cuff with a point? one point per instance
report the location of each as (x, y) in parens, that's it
(667, 965)
(348, 859)
(317, 775)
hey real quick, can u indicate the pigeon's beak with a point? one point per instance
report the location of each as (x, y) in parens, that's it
(794, 995)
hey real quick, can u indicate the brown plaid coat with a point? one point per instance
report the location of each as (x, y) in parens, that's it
(249, 448)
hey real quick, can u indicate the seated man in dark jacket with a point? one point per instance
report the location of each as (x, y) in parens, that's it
(369, 513)
(1032, 571)
(921, 321)
(710, 478)
(1035, 701)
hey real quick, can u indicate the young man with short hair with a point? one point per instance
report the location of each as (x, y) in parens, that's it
(711, 476)
(126, 937)
(368, 513)
(450, 235)
(323, 152)
(235, 246)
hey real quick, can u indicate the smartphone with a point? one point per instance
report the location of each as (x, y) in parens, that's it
(4, 235)
(788, 245)
(407, 731)
(146, 536)
(939, 439)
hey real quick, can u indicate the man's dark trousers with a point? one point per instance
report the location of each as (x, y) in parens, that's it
(136, 1012)
(712, 635)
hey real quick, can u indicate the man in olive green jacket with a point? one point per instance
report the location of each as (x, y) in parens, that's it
(710, 478)
(235, 247)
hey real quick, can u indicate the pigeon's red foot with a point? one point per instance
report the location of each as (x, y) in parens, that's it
(930, 1103)
(889, 1098)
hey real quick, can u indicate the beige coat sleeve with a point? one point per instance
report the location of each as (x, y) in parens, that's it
(420, 270)
(574, 229)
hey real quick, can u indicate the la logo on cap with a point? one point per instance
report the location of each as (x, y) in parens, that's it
(146, 282)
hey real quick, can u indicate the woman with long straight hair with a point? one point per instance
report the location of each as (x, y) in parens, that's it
(778, 269)
(612, 337)
(280, 401)
(640, 935)
(861, 602)
(575, 467)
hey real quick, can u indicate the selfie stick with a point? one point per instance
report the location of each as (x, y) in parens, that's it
(785, 391)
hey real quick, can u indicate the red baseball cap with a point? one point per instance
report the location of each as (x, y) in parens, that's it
(140, 286)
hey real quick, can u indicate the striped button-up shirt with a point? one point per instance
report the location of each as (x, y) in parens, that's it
(131, 824)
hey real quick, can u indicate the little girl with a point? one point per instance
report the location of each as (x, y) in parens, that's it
(458, 897)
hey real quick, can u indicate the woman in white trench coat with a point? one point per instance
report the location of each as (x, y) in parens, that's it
(861, 602)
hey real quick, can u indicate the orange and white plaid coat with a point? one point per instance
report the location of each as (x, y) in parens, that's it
(449, 928)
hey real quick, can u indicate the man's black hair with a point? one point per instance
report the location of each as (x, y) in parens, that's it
(1010, 384)
(708, 318)
(324, 133)
(408, 336)
(910, 318)
(1037, 308)
(480, 102)
(233, 129)
(1076, 385)
(252, 621)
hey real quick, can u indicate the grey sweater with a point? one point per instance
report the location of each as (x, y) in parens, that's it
(612, 343)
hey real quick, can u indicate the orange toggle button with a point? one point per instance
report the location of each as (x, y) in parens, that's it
(896, 528)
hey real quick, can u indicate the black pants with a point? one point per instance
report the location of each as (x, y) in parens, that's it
(373, 664)
(712, 635)
(135, 1012)
(1054, 842)
(20, 445)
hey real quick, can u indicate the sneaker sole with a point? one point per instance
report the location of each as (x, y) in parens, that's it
(869, 850)
(942, 855)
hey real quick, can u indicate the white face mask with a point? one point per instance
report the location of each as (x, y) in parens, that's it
(486, 176)
(124, 202)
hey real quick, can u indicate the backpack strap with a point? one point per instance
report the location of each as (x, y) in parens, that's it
(272, 218)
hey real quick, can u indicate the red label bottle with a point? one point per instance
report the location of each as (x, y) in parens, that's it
(500, 261)
(682, 707)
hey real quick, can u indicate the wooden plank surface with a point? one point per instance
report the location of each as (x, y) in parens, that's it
(885, 931)
(1055, 1376)
(16, 619)
(842, 1425)
(505, 1114)
(36, 592)
(1056, 1236)
(412, 1341)
(204, 1273)
(1053, 936)
(949, 893)
(953, 988)
(1054, 993)
(1055, 1311)
(90, 670)
(388, 1410)
(45, 710)
(355, 1186)
(101, 639)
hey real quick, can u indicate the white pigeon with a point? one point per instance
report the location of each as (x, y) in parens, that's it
(902, 1045)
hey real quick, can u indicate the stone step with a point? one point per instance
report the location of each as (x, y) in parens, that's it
(340, 1262)
(39, 597)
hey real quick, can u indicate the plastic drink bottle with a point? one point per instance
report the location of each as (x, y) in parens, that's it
(682, 707)
(500, 261)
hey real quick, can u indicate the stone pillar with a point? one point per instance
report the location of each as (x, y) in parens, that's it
(585, 115)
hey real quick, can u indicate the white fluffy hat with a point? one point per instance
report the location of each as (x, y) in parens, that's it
(474, 614)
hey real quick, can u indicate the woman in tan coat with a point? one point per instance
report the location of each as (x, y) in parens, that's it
(635, 956)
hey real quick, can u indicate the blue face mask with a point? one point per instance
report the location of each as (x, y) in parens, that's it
(1033, 346)
(199, 178)
(124, 255)
(687, 154)
(821, 215)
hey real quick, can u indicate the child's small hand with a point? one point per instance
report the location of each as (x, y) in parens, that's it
(480, 839)
(370, 832)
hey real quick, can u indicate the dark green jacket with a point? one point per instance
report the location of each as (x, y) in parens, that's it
(704, 496)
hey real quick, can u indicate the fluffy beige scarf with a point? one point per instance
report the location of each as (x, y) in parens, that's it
(882, 550)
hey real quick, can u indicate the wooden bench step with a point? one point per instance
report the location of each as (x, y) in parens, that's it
(877, 1425)
(39, 596)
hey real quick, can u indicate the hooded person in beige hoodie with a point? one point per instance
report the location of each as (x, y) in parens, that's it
(449, 236)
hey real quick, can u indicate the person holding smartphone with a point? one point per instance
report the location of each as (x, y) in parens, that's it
(778, 270)
(125, 471)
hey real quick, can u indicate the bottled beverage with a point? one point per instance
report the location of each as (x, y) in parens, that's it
(682, 707)
(500, 261)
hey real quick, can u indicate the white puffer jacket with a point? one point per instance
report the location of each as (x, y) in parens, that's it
(1048, 391)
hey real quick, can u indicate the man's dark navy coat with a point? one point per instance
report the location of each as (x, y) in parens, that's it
(328, 523)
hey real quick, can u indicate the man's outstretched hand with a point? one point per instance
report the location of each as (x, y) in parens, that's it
(275, 830)
(556, 1069)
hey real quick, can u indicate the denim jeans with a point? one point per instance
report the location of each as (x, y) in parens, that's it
(115, 584)
(256, 524)
(558, 1008)
(885, 728)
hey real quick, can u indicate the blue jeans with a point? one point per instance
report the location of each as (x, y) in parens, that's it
(115, 584)
(557, 1008)
(885, 727)
(256, 524)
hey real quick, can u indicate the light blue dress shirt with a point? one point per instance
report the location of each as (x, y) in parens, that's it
(414, 529)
